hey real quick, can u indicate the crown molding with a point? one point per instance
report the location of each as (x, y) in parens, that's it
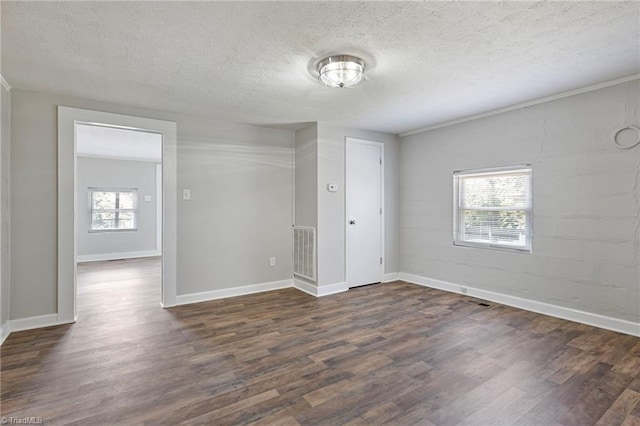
(4, 83)
(525, 104)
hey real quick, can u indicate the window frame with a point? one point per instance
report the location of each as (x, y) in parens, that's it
(457, 208)
(134, 210)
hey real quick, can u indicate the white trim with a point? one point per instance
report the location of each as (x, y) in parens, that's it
(184, 299)
(158, 201)
(4, 84)
(524, 104)
(119, 158)
(67, 194)
(596, 320)
(392, 276)
(326, 290)
(305, 287)
(117, 256)
(320, 291)
(4, 332)
(6, 216)
(35, 322)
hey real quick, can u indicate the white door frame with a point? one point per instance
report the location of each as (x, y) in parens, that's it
(67, 200)
(346, 211)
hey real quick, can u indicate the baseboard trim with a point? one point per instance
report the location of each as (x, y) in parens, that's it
(392, 276)
(205, 296)
(118, 256)
(596, 320)
(326, 290)
(305, 287)
(4, 332)
(30, 323)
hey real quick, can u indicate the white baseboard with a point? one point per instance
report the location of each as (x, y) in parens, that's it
(326, 290)
(305, 287)
(34, 322)
(117, 256)
(29, 323)
(596, 320)
(4, 332)
(392, 276)
(185, 299)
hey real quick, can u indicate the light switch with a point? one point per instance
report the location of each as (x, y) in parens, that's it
(147, 198)
(186, 194)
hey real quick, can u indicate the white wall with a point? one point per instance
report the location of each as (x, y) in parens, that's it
(109, 173)
(331, 205)
(239, 214)
(5, 136)
(586, 203)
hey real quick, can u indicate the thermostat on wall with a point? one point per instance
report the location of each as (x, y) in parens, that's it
(332, 187)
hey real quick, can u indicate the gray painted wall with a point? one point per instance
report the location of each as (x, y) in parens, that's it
(306, 176)
(239, 214)
(586, 203)
(5, 141)
(108, 173)
(331, 205)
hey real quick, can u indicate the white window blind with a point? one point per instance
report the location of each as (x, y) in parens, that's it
(113, 209)
(492, 208)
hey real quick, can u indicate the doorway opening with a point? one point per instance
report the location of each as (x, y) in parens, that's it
(119, 211)
(116, 196)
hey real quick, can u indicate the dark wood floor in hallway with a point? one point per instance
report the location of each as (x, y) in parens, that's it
(394, 353)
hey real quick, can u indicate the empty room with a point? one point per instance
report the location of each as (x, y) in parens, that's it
(320, 213)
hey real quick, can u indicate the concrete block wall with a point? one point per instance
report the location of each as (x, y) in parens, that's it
(586, 203)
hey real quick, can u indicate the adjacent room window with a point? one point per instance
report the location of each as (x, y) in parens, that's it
(113, 209)
(492, 208)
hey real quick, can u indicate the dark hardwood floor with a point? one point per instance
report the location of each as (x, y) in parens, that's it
(393, 353)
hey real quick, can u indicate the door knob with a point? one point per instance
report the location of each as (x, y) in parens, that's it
(352, 222)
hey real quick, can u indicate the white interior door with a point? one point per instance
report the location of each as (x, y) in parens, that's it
(364, 212)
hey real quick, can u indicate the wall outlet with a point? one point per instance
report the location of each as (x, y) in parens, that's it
(147, 198)
(272, 261)
(186, 194)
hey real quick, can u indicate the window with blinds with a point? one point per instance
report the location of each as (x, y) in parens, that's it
(492, 208)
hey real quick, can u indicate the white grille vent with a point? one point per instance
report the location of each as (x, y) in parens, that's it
(304, 252)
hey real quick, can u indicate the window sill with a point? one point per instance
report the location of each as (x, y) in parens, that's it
(496, 247)
(100, 231)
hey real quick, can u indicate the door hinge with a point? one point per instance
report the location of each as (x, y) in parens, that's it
(380, 210)
(381, 161)
(381, 261)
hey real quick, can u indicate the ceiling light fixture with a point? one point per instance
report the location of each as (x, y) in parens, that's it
(341, 71)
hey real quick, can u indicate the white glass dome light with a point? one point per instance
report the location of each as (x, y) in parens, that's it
(341, 71)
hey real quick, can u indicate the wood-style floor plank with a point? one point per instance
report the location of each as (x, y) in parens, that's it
(395, 353)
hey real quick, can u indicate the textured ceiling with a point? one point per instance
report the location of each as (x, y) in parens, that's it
(428, 62)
